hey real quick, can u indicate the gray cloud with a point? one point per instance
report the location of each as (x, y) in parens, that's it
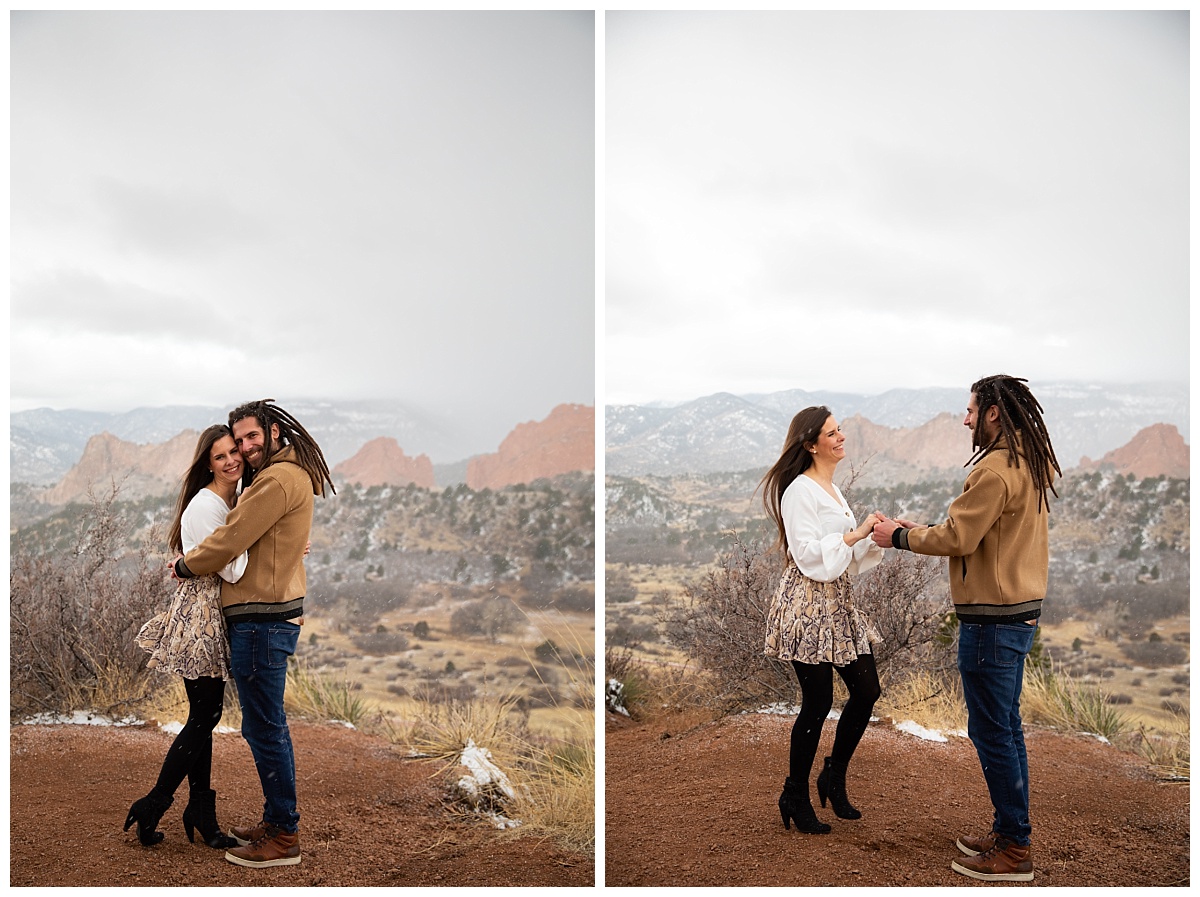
(378, 205)
(949, 190)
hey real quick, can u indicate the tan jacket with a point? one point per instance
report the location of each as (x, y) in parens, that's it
(272, 520)
(997, 540)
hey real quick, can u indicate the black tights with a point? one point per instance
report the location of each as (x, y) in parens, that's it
(816, 689)
(190, 755)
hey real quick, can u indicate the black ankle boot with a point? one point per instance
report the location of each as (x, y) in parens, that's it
(146, 812)
(831, 783)
(795, 805)
(201, 814)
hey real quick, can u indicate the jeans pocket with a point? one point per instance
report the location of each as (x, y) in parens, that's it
(281, 644)
(1013, 643)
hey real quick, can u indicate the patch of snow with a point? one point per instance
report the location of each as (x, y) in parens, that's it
(485, 787)
(913, 728)
(614, 697)
(78, 718)
(175, 727)
(783, 708)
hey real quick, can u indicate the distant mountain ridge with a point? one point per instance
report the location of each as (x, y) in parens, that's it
(562, 443)
(724, 432)
(44, 443)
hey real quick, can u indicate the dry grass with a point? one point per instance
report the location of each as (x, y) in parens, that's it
(931, 701)
(554, 777)
(1167, 749)
(1053, 698)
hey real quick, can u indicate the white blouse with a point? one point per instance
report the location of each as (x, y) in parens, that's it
(204, 513)
(815, 523)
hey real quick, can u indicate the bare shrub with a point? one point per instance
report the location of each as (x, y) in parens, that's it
(443, 693)
(488, 617)
(74, 614)
(721, 625)
(906, 598)
(381, 643)
(579, 599)
(618, 586)
(1154, 654)
(722, 622)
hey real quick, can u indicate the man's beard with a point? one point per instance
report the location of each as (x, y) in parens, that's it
(269, 448)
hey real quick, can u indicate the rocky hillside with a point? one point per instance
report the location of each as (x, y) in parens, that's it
(381, 462)
(1154, 452)
(563, 442)
(139, 470)
(376, 546)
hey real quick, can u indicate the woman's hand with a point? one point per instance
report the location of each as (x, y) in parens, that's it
(863, 531)
(307, 547)
(171, 568)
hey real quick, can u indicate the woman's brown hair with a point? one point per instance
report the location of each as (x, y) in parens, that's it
(794, 460)
(197, 477)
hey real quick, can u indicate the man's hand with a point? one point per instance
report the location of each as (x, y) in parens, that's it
(881, 534)
(171, 568)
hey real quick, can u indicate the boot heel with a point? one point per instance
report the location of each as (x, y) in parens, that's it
(794, 806)
(832, 782)
(201, 815)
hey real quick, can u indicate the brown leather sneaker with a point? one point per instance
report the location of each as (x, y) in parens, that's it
(247, 834)
(275, 848)
(1004, 862)
(975, 846)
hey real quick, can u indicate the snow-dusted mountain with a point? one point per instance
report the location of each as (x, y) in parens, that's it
(725, 432)
(44, 444)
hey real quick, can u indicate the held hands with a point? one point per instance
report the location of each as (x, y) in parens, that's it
(881, 534)
(864, 529)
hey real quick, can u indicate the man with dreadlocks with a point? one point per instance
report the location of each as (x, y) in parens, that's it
(285, 469)
(997, 537)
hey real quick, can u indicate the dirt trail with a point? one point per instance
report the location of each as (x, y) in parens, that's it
(369, 817)
(697, 806)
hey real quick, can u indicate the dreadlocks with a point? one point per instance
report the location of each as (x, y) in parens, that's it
(1020, 413)
(308, 453)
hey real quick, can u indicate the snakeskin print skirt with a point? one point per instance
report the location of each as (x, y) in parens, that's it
(816, 622)
(189, 637)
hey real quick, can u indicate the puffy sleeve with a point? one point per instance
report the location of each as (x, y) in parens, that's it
(204, 513)
(814, 535)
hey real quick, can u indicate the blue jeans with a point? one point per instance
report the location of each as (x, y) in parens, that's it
(259, 653)
(991, 660)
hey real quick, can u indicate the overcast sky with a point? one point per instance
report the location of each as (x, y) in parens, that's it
(861, 201)
(212, 207)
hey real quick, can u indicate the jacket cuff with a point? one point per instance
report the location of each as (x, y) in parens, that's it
(900, 538)
(182, 571)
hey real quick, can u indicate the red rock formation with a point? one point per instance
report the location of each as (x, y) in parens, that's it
(563, 442)
(940, 444)
(139, 470)
(1157, 450)
(382, 462)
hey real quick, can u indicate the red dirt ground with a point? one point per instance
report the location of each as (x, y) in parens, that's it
(697, 806)
(368, 817)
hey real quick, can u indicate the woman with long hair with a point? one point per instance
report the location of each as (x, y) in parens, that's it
(189, 638)
(812, 621)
